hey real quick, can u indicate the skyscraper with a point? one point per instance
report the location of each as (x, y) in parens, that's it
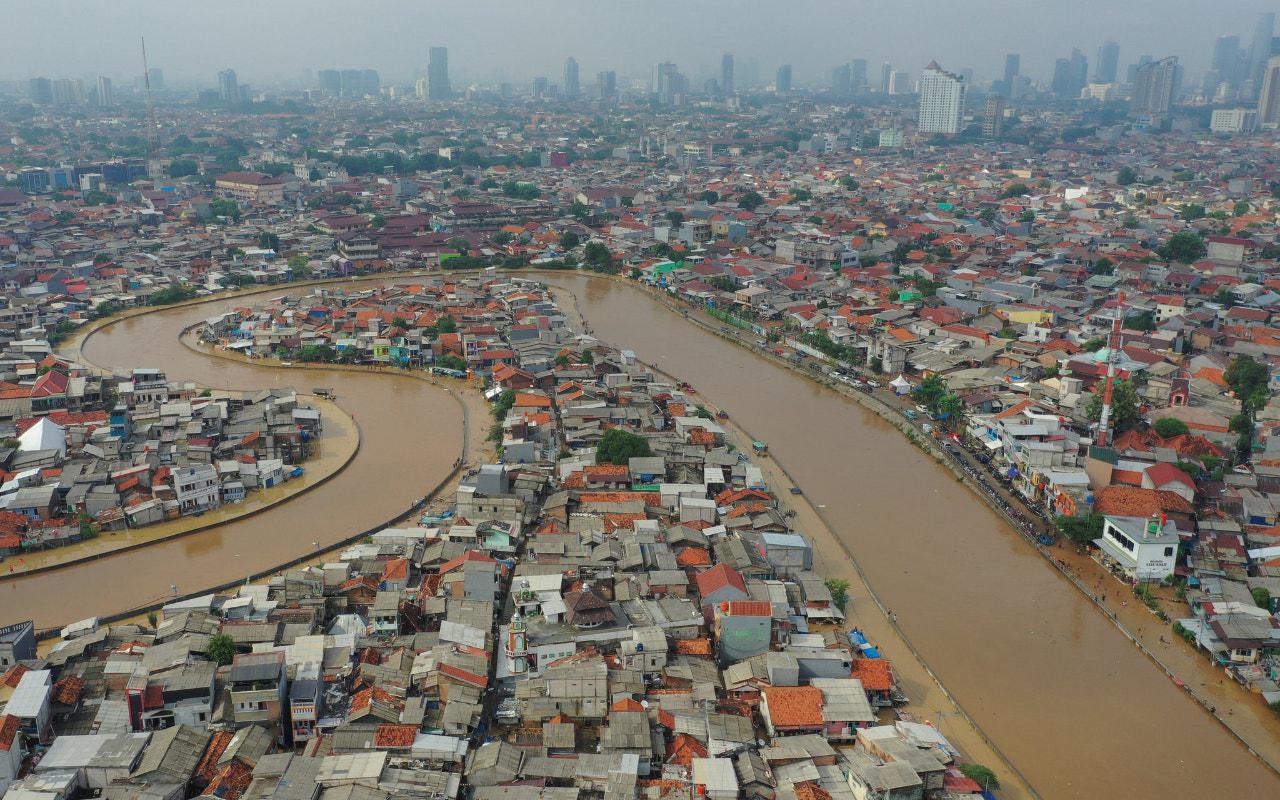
(40, 91)
(228, 88)
(1226, 59)
(68, 92)
(1108, 63)
(1260, 49)
(571, 86)
(993, 117)
(858, 75)
(606, 84)
(941, 100)
(1070, 75)
(330, 81)
(782, 83)
(1269, 97)
(841, 85)
(156, 76)
(1155, 87)
(886, 70)
(105, 98)
(438, 74)
(726, 74)
(1012, 65)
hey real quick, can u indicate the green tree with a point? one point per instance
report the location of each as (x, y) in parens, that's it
(801, 196)
(709, 197)
(225, 207)
(452, 362)
(446, 325)
(1126, 176)
(674, 217)
(221, 649)
(1015, 190)
(839, 589)
(1102, 266)
(1191, 212)
(1249, 381)
(981, 775)
(579, 211)
(568, 241)
(1124, 405)
(1027, 216)
(751, 201)
(848, 182)
(300, 267)
(1080, 530)
(181, 168)
(269, 241)
(1261, 597)
(1240, 208)
(1184, 247)
(618, 446)
(1169, 427)
(930, 391)
(597, 255)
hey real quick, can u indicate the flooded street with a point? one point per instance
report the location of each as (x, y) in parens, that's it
(1070, 701)
(1058, 689)
(411, 433)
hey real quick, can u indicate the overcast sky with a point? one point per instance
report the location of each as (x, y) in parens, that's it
(273, 41)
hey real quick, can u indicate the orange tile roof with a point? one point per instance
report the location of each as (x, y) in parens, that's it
(874, 673)
(693, 557)
(794, 706)
(693, 647)
(395, 736)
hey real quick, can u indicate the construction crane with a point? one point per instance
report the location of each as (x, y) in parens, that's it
(153, 130)
(1113, 348)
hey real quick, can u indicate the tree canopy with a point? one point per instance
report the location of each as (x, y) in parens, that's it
(1169, 427)
(221, 648)
(1184, 247)
(1249, 381)
(1124, 405)
(618, 446)
(751, 201)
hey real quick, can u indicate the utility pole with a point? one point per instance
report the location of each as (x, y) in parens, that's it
(1113, 348)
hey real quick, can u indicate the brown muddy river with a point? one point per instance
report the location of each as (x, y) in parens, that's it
(411, 433)
(1067, 697)
(1064, 694)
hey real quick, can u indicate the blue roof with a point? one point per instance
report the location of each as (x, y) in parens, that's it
(785, 539)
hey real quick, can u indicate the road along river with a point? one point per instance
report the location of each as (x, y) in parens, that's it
(1059, 690)
(411, 433)
(1064, 695)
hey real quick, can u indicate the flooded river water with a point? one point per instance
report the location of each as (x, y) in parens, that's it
(1067, 698)
(411, 432)
(1063, 693)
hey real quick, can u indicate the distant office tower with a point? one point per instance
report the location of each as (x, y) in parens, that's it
(668, 84)
(228, 87)
(156, 76)
(900, 82)
(571, 84)
(659, 74)
(1234, 120)
(841, 84)
(1155, 87)
(858, 75)
(606, 84)
(941, 100)
(329, 81)
(1260, 49)
(1133, 68)
(438, 74)
(540, 85)
(886, 71)
(1226, 60)
(782, 83)
(68, 92)
(1269, 97)
(420, 88)
(40, 91)
(993, 117)
(726, 74)
(1070, 75)
(1012, 65)
(1108, 63)
(105, 98)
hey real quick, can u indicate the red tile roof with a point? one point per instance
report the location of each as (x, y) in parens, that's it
(874, 674)
(399, 736)
(717, 578)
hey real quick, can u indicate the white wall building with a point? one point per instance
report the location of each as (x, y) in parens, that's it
(1234, 120)
(1144, 549)
(197, 488)
(941, 100)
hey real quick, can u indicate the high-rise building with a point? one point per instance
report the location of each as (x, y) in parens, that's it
(330, 81)
(438, 74)
(68, 92)
(228, 87)
(726, 74)
(993, 117)
(900, 82)
(156, 76)
(941, 100)
(606, 84)
(782, 83)
(886, 72)
(420, 88)
(40, 91)
(858, 75)
(1108, 63)
(540, 86)
(1226, 60)
(1012, 65)
(104, 97)
(1133, 68)
(1260, 49)
(1070, 75)
(841, 84)
(1269, 96)
(571, 85)
(1155, 87)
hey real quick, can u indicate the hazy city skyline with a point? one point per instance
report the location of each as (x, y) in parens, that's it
(503, 40)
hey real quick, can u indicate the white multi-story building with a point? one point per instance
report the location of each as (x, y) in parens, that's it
(1234, 120)
(941, 100)
(1143, 549)
(196, 488)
